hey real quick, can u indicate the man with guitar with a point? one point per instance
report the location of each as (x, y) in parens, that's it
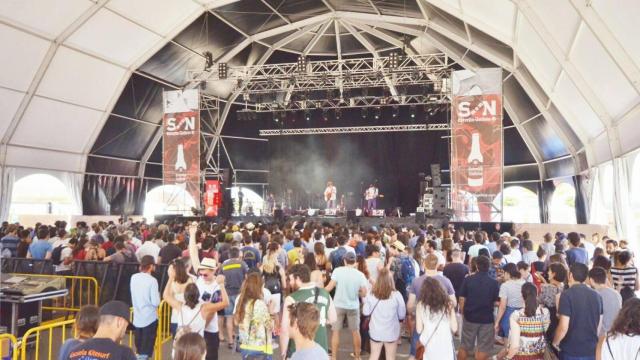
(330, 195)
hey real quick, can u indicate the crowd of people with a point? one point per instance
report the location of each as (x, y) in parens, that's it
(297, 289)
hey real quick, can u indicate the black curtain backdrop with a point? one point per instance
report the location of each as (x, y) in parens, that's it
(545, 193)
(582, 216)
(304, 163)
(114, 195)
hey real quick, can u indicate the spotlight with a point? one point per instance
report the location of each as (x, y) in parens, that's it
(222, 71)
(338, 114)
(271, 82)
(307, 114)
(377, 114)
(239, 84)
(302, 64)
(245, 96)
(364, 112)
(208, 58)
(276, 117)
(292, 81)
(393, 60)
(347, 77)
(203, 85)
(395, 111)
(412, 112)
(325, 115)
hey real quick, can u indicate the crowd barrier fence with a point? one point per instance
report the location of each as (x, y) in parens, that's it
(8, 347)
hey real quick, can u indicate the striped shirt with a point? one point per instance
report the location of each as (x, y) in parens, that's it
(623, 277)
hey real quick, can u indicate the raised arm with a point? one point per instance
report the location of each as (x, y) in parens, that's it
(167, 295)
(193, 248)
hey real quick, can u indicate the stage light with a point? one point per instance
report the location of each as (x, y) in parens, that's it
(245, 96)
(307, 114)
(393, 60)
(222, 71)
(276, 117)
(338, 114)
(292, 81)
(395, 111)
(302, 64)
(271, 82)
(347, 77)
(203, 85)
(378, 113)
(325, 115)
(412, 112)
(364, 112)
(208, 58)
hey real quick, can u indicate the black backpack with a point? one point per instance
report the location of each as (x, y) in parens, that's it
(56, 254)
(272, 281)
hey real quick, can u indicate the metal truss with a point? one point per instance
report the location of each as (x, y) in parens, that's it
(438, 127)
(436, 101)
(344, 130)
(330, 74)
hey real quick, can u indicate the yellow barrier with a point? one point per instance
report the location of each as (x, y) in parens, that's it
(87, 292)
(36, 333)
(8, 345)
(164, 329)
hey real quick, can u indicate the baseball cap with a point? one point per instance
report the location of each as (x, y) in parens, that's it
(209, 263)
(398, 245)
(350, 257)
(115, 308)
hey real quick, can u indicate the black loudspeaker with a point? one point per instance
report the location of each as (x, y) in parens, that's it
(351, 216)
(435, 175)
(226, 178)
(420, 218)
(440, 199)
(278, 215)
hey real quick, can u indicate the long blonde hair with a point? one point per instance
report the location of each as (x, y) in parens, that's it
(251, 290)
(270, 261)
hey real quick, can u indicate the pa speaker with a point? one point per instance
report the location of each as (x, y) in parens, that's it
(351, 216)
(435, 175)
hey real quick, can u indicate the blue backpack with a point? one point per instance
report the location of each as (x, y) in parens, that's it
(337, 257)
(407, 271)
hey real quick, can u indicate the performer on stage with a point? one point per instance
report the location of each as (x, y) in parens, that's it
(271, 204)
(330, 195)
(371, 195)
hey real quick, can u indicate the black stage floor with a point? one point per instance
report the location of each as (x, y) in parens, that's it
(342, 220)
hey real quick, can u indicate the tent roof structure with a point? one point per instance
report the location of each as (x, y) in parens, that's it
(82, 80)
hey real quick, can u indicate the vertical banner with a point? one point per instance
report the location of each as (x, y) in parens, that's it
(181, 145)
(212, 197)
(476, 144)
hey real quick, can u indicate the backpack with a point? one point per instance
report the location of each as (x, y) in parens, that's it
(407, 272)
(337, 257)
(249, 257)
(56, 254)
(272, 281)
(129, 257)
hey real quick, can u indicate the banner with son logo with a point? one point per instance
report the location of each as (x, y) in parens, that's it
(181, 146)
(476, 144)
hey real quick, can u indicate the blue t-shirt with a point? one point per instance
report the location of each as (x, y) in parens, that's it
(480, 292)
(316, 353)
(577, 255)
(40, 248)
(348, 283)
(251, 256)
(583, 306)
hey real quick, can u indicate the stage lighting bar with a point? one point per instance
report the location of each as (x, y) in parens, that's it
(222, 71)
(437, 102)
(347, 73)
(344, 130)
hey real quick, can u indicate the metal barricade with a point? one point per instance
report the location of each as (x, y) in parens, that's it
(8, 346)
(164, 329)
(35, 337)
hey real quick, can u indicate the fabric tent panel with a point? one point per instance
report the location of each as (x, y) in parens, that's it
(112, 37)
(47, 18)
(396, 8)
(561, 124)
(622, 20)
(9, 102)
(602, 74)
(495, 17)
(629, 133)
(361, 6)
(23, 56)
(522, 173)
(560, 168)
(250, 16)
(141, 99)
(545, 138)
(299, 9)
(601, 149)
(518, 152)
(576, 109)
(448, 5)
(209, 33)
(80, 79)
(563, 20)
(160, 16)
(533, 51)
(56, 125)
(43, 159)
(171, 63)
(111, 166)
(123, 138)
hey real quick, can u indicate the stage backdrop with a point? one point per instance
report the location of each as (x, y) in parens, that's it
(304, 163)
(476, 144)
(181, 143)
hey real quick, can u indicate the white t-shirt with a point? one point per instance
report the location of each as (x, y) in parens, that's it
(66, 252)
(621, 347)
(148, 248)
(206, 292)
(372, 265)
(191, 317)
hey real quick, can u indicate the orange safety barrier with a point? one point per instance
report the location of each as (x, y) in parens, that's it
(83, 290)
(8, 346)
